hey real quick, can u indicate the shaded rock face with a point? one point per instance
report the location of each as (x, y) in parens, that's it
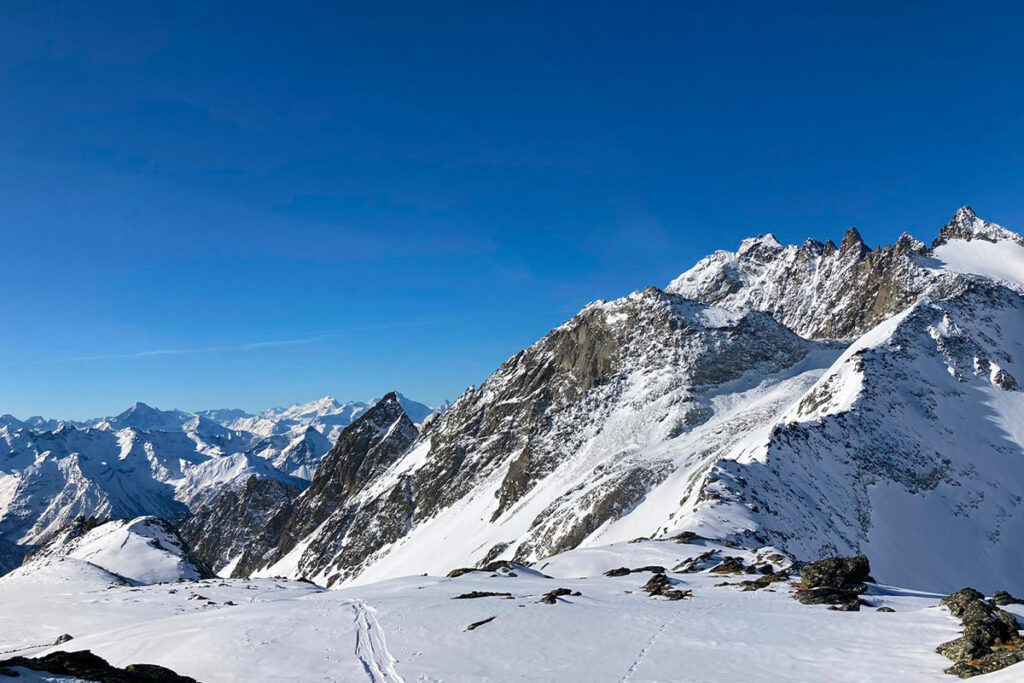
(650, 357)
(348, 531)
(991, 640)
(11, 555)
(87, 666)
(542, 406)
(240, 524)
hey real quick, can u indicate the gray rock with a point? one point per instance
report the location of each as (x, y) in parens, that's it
(835, 572)
(990, 640)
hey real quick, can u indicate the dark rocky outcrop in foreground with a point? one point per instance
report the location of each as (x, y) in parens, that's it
(991, 639)
(836, 572)
(552, 597)
(472, 595)
(835, 581)
(87, 666)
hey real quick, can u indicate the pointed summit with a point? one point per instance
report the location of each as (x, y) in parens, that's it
(853, 242)
(965, 225)
(964, 214)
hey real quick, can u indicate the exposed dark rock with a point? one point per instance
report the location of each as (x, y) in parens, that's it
(990, 640)
(552, 597)
(660, 584)
(835, 572)
(694, 564)
(87, 666)
(496, 549)
(885, 609)
(687, 537)
(657, 583)
(621, 571)
(477, 624)
(480, 594)
(245, 520)
(729, 565)
(1002, 599)
(657, 569)
(502, 566)
(852, 606)
(826, 596)
(365, 448)
(764, 581)
(63, 638)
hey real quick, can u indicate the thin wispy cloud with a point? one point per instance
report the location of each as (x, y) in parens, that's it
(154, 353)
(310, 338)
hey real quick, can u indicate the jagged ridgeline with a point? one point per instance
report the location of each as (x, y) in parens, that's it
(825, 399)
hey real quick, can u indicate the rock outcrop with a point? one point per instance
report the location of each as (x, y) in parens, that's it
(991, 638)
(84, 665)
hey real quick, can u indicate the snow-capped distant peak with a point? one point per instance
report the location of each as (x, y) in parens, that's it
(760, 243)
(965, 225)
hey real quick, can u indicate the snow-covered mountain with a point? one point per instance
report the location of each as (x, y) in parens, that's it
(147, 461)
(326, 415)
(821, 290)
(687, 410)
(145, 550)
(626, 499)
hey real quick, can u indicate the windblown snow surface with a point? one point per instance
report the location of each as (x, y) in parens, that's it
(415, 628)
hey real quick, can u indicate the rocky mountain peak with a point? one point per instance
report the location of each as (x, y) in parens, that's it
(966, 225)
(853, 243)
(760, 247)
(364, 451)
(821, 291)
(908, 243)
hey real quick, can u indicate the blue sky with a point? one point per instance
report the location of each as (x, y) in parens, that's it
(247, 205)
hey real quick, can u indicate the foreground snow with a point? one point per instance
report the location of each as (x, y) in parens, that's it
(411, 629)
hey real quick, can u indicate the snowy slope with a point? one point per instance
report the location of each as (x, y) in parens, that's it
(566, 437)
(908, 449)
(144, 550)
(414, 629)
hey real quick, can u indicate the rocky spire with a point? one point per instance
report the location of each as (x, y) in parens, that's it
(853, 243)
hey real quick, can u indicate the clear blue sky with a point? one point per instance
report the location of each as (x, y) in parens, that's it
(345, 198)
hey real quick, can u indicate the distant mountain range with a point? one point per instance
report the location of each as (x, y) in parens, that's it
(147, 461)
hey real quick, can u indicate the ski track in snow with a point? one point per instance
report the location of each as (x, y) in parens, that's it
(646, 649)
(371, 648)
